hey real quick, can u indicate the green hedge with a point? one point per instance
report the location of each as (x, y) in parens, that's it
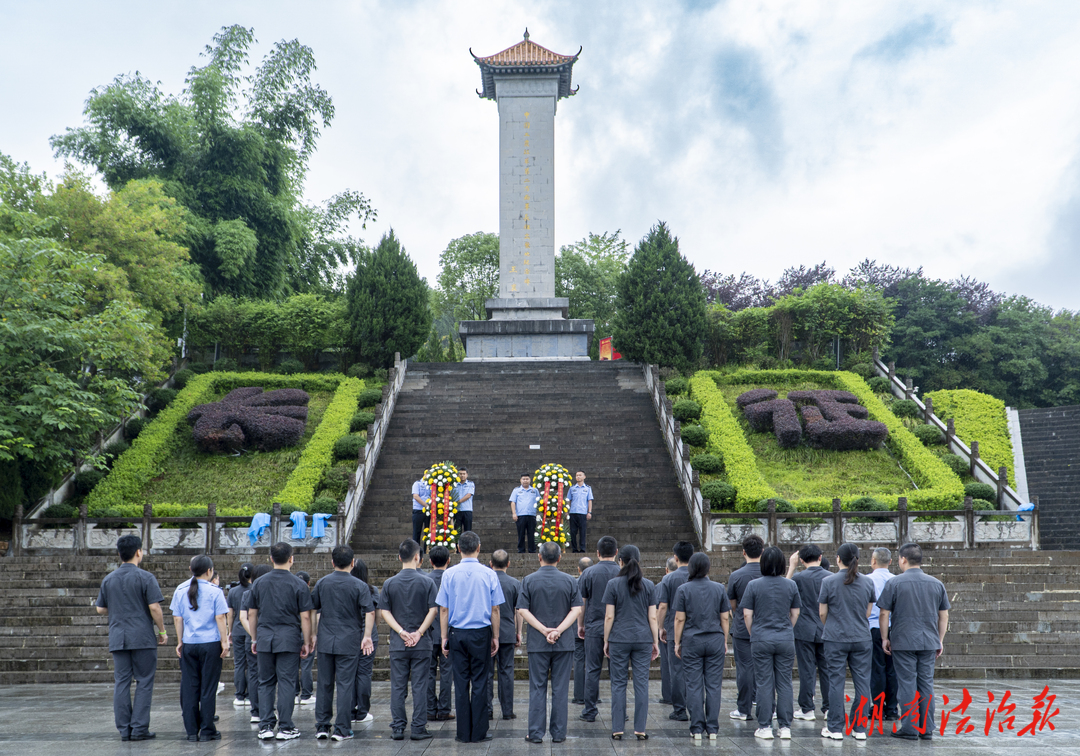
(978, 417)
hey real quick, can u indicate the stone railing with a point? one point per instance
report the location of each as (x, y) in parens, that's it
(1007, 498)
(680, 454)
(968, 528)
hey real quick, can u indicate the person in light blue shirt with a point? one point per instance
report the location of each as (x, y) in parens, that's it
(523, 509)
(202, 640)
(421, 493)
(463, 494)
(581, 505)
(469, 599)
(882, 675)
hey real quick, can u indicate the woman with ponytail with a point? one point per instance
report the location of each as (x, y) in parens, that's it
(250, 659)
(702, 613)
(630, 639)
(845, 603)
(202, 641)
(237, 634)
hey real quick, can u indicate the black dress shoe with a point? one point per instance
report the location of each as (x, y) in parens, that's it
(560, 740)
(665, 702)
(584, 718)
(217, 717)
(509, 716)
(926, 736)
(144, 736)
(903, 736)
(422, 735)
(397, 735)
(205, 736)
(578, 701)
(538, 741)
(678, 718)
(193, 738)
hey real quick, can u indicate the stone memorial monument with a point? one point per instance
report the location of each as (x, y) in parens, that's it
(527, 320)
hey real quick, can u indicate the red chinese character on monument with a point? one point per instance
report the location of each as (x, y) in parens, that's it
(1004, 707)
(963, 728)
(1041, 712)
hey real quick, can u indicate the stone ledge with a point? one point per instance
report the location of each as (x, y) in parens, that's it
(522, 327)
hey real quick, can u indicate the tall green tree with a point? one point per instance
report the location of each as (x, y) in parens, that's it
(387, 305)
(587, 272)
(233, 148)
(660, 308)
(469, 275)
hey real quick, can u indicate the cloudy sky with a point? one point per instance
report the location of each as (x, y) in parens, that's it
(767, 134)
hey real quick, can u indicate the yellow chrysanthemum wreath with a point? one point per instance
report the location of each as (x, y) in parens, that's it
(553, 509)
(440, 506)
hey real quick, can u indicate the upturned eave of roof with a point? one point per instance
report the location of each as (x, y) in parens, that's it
(526, 58)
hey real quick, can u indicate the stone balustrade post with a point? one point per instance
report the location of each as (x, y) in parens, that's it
(902, 521)
(969, 523)
(1035, 523)
(950, 433)
(147, 513)
(1002, 482)
(275, 523)
(81, 536)
(211, 528)
(837, 524)
(17, 531)
(338, 533)
(974, 457)
(773, 529)
(929, 411)
(909, 388)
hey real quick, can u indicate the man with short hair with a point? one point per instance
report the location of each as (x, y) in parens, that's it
(464, 493)
(509, 638)
(882, 674)
(809, 646)
(438, 704)
(581, 506)
(407, 605)
(665, 674)
(752, 546)
(341, 604)
(550, 603)
(523, 508)
(918, 607)
(280, 623)
(593, 582)
(132, 599)
(579, 645)
(469, 601)
(665, 618)
(421, 494)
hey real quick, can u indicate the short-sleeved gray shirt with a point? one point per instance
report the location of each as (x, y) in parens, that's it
(341, 601)
(668, 586)
(593, 582)
(703, 602)
(846, 622)
(363, 619)
(809, 627)
(235, 600)
(127, 593)
(549, 595)
(409, 595)
(914, 600)
(631, 623)
(280, 598)
(771, 599)
(511, 587)
(736, 587)
(436, 627)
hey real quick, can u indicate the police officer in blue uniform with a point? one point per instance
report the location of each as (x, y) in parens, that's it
(464, 493)
(581, 506)
(523, 509)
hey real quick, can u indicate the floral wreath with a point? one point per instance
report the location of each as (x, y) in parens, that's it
(441, 507)
(553, 507)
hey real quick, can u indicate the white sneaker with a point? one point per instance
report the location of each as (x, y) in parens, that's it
(240, 702)
(296, 701)
(859, 735)
(288, 733)
(309, 701)
(736, 714)
(368, 718)
(712, 736)
(255, 719)
(267, 734)
(831, 735)
(785, 733)
(695, 735)
(806, 716)
(220, 688)
(765, 733)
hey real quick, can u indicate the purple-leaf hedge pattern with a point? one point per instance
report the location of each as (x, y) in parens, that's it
(250, 418)
(833, 419)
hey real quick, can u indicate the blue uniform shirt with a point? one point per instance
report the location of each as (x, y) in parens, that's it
(580, 496)
(200, 625)
(524, 500)
(465, 489)
(880, 576)
(469, 590)
(421, 490)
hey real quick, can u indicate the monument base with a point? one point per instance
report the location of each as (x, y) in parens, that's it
(499, 340)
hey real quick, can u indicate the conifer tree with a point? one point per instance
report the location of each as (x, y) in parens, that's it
(387, 304)
(660, 313)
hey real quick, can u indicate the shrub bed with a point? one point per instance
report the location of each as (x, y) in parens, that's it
(978, 417)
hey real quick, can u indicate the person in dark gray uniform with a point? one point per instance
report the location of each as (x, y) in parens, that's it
(549, 601)
(593, 583)
(844, 603)
(502, 665)
(631, 638)
(683, 550)
(238, 635)
(702, 614)
(343, 606)
(752, 546)
(579, 644)
(438, 705)
(407, 605)
(305, 682)
(279, 621)
(132, 599)
(251, 658)
(665, 678)
(770, 607)
(809, 648)
(918, 607)
(362, 696)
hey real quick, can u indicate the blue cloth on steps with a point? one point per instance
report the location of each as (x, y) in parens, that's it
(259, 523)
(318, 524)
(299, 525)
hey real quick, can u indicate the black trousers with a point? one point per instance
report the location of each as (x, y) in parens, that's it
(463, 521)
(240, 671)
(252, 663)
(526, 528)
(578, 525)
(200, 670)
(419, 520)
(336, 672)
(882, 676)
(470, 655)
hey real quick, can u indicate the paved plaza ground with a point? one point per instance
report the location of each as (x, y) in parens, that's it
(77, 720)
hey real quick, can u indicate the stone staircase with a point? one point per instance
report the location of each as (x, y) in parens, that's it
(593, 416)
(1014, 612)
(1052, 458)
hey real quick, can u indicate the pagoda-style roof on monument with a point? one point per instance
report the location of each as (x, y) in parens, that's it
(525, 58)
